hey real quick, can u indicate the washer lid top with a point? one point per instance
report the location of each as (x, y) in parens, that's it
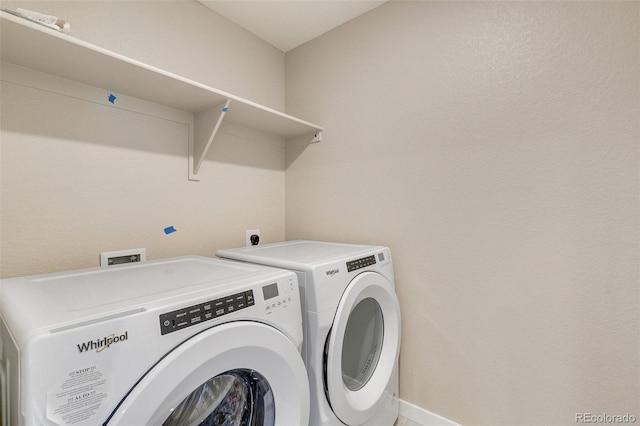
(297, 254)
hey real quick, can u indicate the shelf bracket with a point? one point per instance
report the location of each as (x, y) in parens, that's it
(206, 124)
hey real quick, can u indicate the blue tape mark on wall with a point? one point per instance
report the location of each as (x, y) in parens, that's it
(112, 98)
(225, 109)
(169, 230)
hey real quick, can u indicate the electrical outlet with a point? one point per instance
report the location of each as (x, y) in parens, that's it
(110, 258)
(252, 237)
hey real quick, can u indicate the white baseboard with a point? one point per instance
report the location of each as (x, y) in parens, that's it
(421, 416)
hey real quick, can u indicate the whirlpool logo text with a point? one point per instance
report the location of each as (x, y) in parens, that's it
(101, 344)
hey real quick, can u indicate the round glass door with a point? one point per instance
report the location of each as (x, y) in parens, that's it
(234, 398)
(240, 373)
(362, 349)
(362, 343)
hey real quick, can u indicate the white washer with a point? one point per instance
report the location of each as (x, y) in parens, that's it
(170, 342)
(352, 326)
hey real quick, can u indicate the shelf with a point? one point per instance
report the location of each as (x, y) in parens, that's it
(34, 46)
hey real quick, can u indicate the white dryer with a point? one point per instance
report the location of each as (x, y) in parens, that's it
(182, 341)
(352, 326)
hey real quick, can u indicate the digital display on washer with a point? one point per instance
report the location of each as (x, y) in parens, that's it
(361, 263)
(195, 314)
(270, 291)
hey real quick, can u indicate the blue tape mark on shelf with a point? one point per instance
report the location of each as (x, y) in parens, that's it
(225, 109)
(169, 230)
(112, 98)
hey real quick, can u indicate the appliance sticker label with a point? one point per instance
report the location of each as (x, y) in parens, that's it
(79, 397)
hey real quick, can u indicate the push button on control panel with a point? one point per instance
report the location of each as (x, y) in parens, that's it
(192, 315)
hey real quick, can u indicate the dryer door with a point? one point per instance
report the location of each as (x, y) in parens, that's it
(239, 373)
(363, 348)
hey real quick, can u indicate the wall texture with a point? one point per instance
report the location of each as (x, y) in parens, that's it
(494, 147)
(78, 178)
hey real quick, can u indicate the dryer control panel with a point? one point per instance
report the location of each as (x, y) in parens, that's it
(196, 314)
(354, 265)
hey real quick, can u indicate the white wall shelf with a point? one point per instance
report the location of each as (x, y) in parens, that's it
(34, 46)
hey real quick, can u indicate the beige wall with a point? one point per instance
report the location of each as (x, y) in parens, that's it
(78, 178)
(494, 147)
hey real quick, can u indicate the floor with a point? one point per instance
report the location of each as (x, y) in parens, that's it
(403, 421)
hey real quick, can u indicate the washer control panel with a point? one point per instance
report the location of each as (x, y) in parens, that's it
(278, 295)
(196, 314)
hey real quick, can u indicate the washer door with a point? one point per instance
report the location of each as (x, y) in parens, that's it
(239, 373)
(362, 348)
